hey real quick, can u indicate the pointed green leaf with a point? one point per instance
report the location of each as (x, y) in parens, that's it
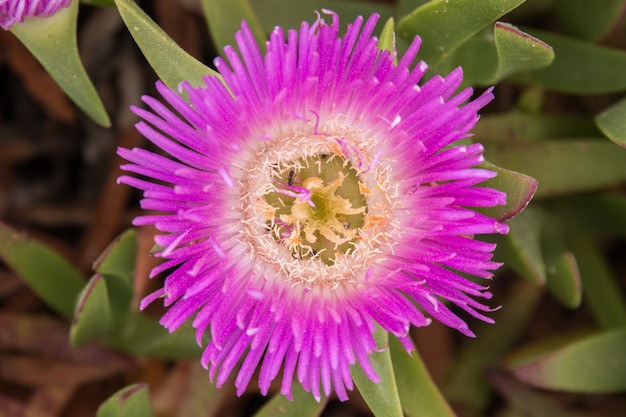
(444, 25)
(52, 40)
(521, 248)
(597, 214)
(519, 51)
(579, 67)
(387, 38)
(493, 55)
(92, 320)
(117, 265)
(563, 166)
(132, 401)
(595, 364)
(517, 126)
(303, 405)
(519, 189)
(419, 395)
(47, 273)
(563, 277)
(224, 18)
(146, 336)
(526, 401)
(612, 122)
(466, 385)
(601, 291)
(171, 63)
(588, 20)
(382, 397)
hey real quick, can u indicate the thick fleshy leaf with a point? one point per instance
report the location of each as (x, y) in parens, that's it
(519, 189)
(444, 25)
(601, 291)
(387, 38)
(563, 277)
(612, 122)
(520, 249)
(52, 40)
(519, 51)
(517, 126)
(145, 336)
(224, 19)
(563, 166)
(597, 214)
(130, 401)
(103, 305)
(466, 385)
(579, 67)
(493, 55)
(303, 405)
(595, 364)
(526, 401)
(47, 273)
(419, 395)
(92, 320)
(382, 397)
(171, 63)
(117, 264)
(588, 20)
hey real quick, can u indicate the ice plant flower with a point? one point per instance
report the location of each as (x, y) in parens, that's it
(316, 193)
(15, 11)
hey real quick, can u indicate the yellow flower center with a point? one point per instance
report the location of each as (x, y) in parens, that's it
(323, 220)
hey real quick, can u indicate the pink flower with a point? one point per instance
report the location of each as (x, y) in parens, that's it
(316, 193)
(15, 11)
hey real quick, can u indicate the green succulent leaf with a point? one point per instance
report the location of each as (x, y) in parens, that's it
(517, 126)
(104, 304)
(612, 122)
(146, 336)
(382, 397)
(588, 20)
(528, 402)
(52, 40)
(387, 38)
(171, 63)
(117, 265)
(419, 395)
(563, 166)
(303, 405)
(563, 277)
(224, 18)
(579, 67)
(48, 274)
(132, 401)
(520, 249)
(444, 25)
(519, 189)
(597, 213)
(601, 291)
(594, 364)
(519, 51)
(92, 320)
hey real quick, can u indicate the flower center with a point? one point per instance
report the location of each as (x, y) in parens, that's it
(319, 208)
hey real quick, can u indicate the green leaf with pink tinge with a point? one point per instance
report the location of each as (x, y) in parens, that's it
(132, 401)
(593, 364)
